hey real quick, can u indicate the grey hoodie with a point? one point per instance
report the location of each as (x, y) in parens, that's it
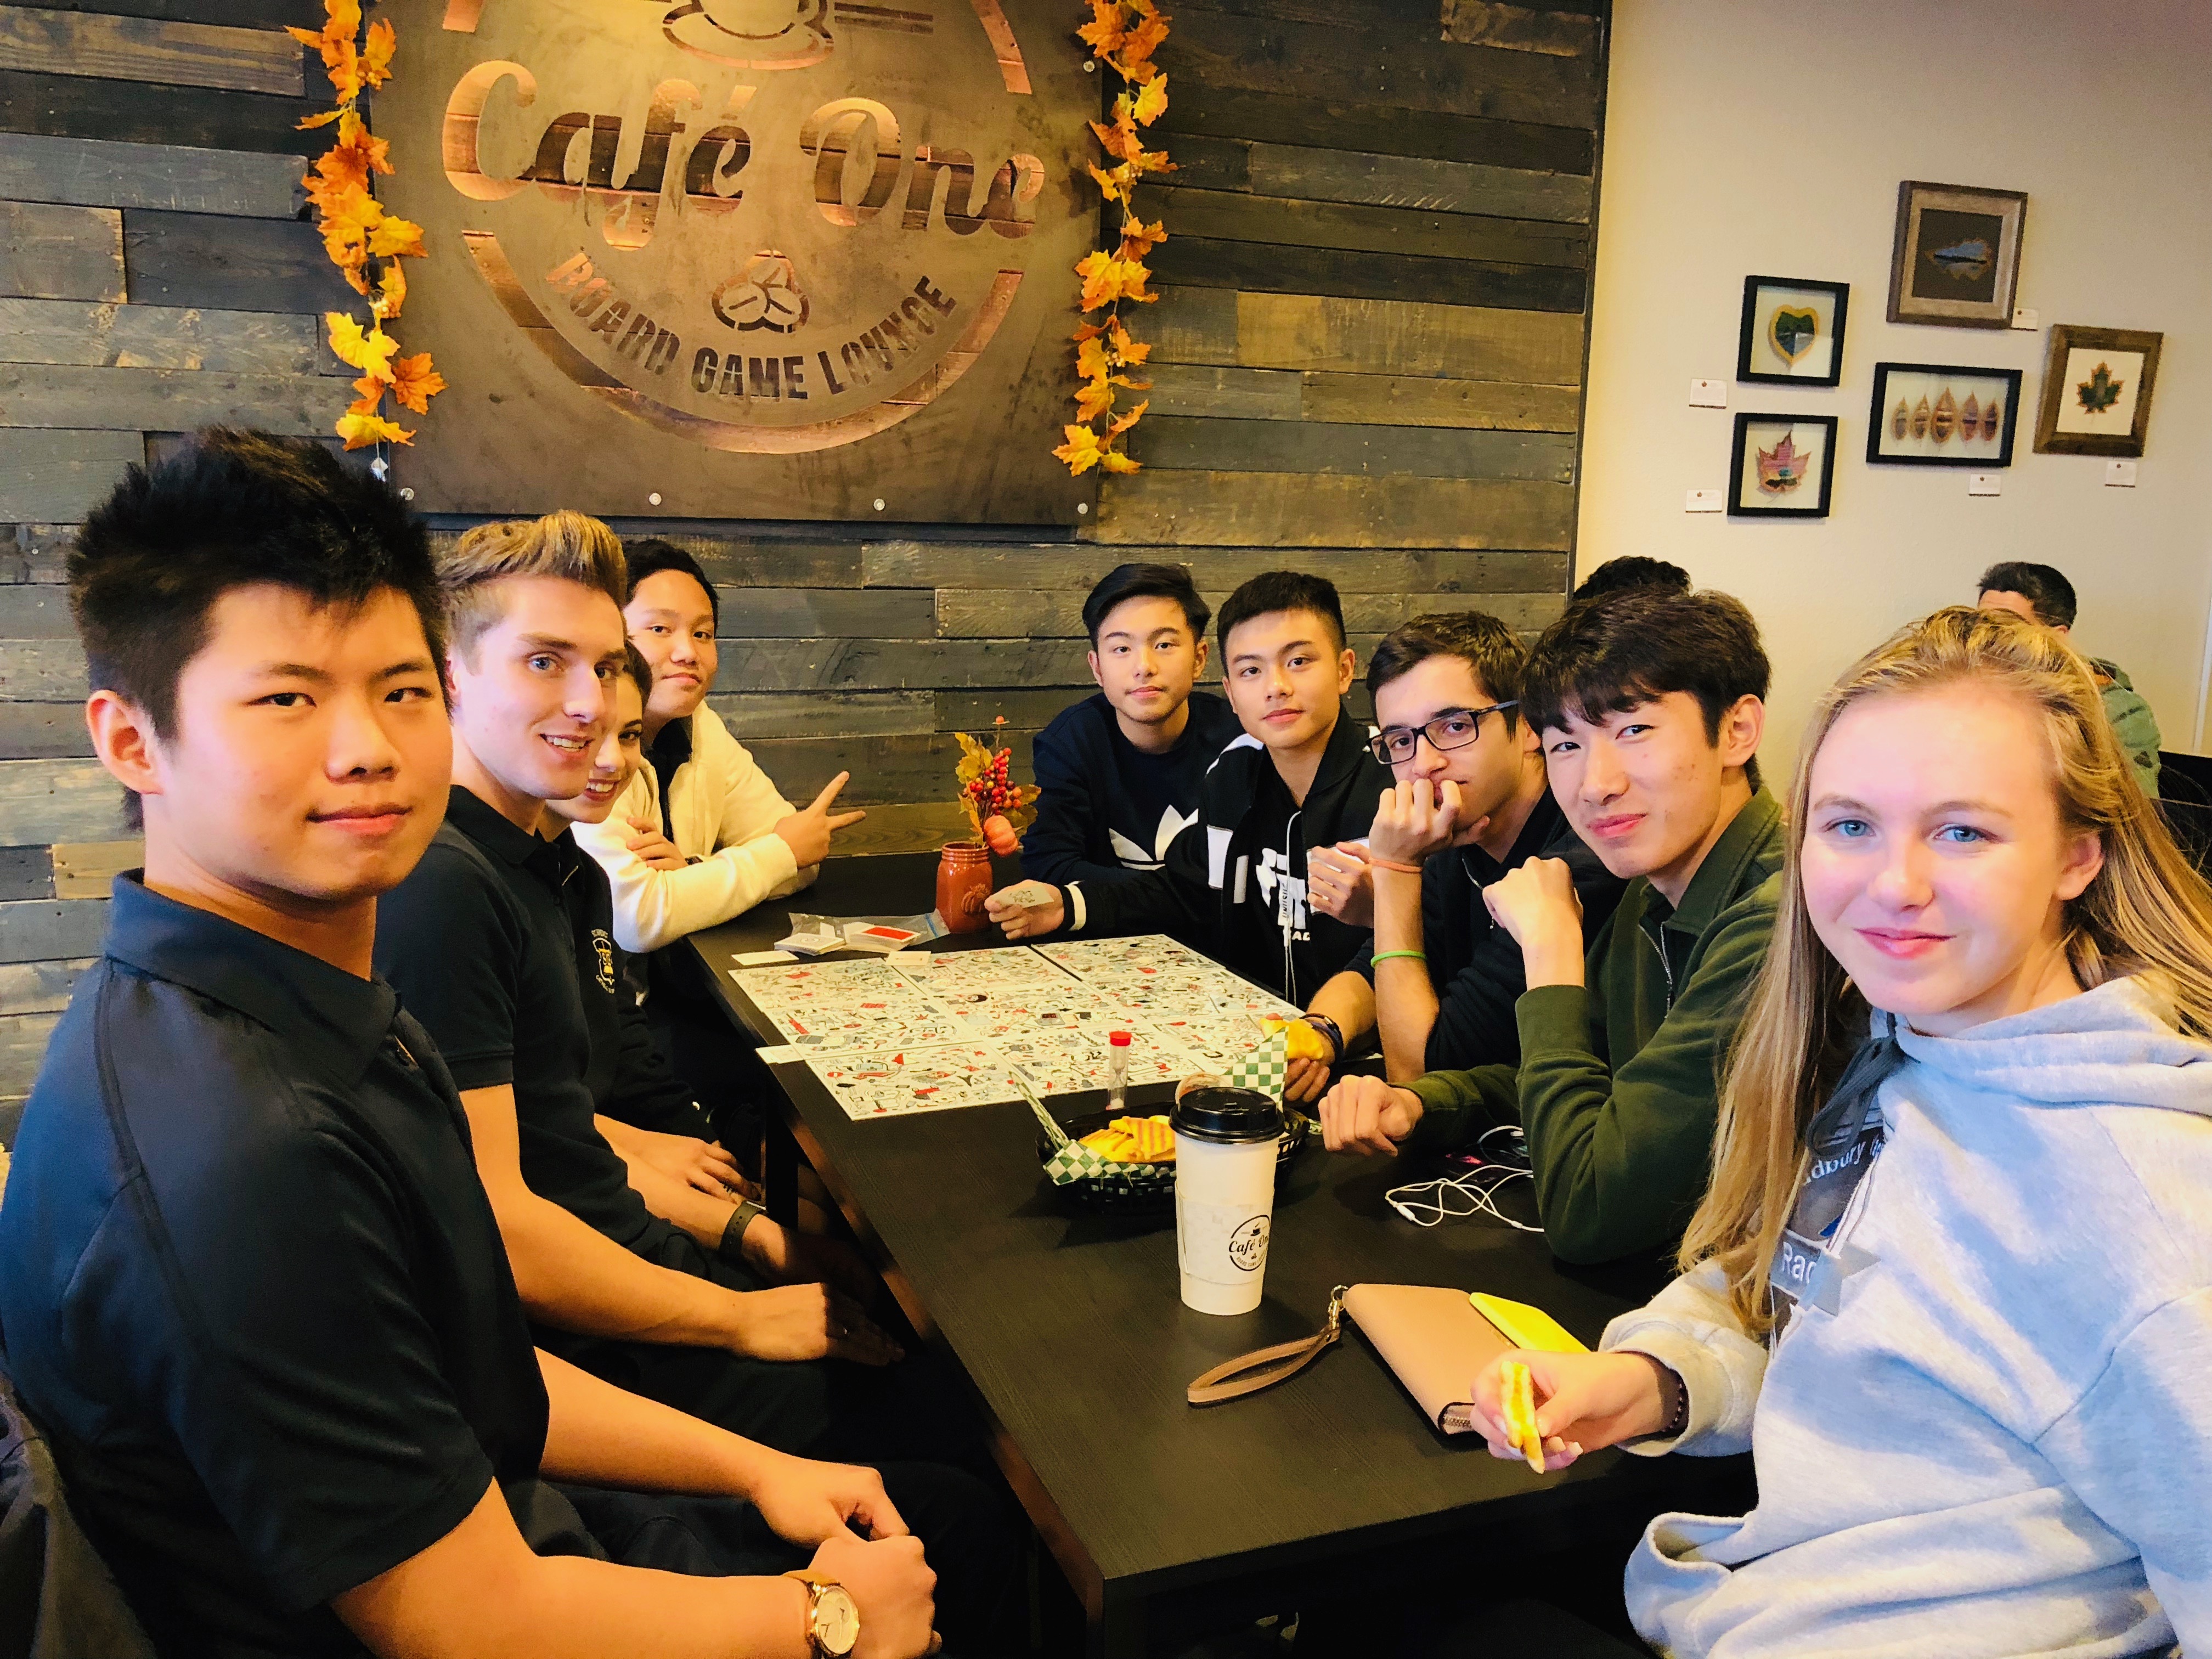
(2000, 1444)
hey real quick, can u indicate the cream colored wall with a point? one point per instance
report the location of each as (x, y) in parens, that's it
(1744, 137)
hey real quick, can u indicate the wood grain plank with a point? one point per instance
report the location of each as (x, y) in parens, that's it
(1326, 448)
(111, 48)
(23, 1048)
(1219, 49)
(898, 665)
(82, 870)
(1399, 337)
(975, 712)
(1354, 568)
(1240, 216)
(1275, 268)
(51, 930)
(41, 671)
(167, 399)
(101, 173)
(45, 801)
(777, 613)
(914, 768)
(58, 475)
(237, 14)
(35, 612)
(750, 714)
(1287, 509)
(41, 730)
(1413, 400)
(39, 988)
(205, 117)
(1255, 394)
(156, 336)
(1276, 116)
(732, 556)
(1402, 21)
(26, 873)
(1332, 175)
(1190, 325)
(921, 827)
(1519, 29)
(1058, 614)
(220, 264)
(34, 552)
(53, 253)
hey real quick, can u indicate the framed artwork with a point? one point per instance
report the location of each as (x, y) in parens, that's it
(1793, 331)
(2096, 391)
(1957, 257)
(1782, 466)
(1942, 415)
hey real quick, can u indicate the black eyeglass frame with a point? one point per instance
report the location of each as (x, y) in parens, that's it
(1376, 744)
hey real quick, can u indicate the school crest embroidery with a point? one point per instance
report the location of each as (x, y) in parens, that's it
(602, 950)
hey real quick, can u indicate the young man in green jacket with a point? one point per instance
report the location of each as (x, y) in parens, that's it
(1650, 705)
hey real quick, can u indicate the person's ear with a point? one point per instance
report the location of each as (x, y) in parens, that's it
(1197, 657)
(1742, 728)
(1091, 657)
(2061, 629)
(1347, 663)
(123, 737)
(1532, 740)
(450, 673)
(2084, 857)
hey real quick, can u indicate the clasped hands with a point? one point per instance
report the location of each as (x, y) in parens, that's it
(1413, 821)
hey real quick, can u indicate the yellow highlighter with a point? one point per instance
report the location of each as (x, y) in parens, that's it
(1519, 1403)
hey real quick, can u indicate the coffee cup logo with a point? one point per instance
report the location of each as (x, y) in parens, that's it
(770, 227)
(1247, 1245)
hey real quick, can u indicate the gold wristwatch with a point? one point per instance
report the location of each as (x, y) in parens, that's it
(833, 1622)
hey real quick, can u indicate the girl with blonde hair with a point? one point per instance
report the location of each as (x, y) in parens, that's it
(1952, 1284)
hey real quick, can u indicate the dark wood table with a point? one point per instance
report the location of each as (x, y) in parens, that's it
(1071, 1328)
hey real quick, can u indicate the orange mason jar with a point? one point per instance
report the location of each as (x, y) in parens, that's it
(964, 882)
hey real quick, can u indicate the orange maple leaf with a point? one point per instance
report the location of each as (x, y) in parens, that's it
(1103, 34)
(372, 391)
(344, 70)
(347, 222)
(1117, 142)
(355, 138)
(1124, 423)
(392, 292)
(1140, 44)
(1139, 239)
(1087, 331)
(306, 123)
(1113, 186)
(1114, 460)
(368, 350)
(1132, 279)
(1153, 102)
(1093, 399)
(392, 236)
(414, 382)
(1102, 279)
(376, 60)
(1091, 361)
(1132, 352)
(1080, 452)
(360, 431)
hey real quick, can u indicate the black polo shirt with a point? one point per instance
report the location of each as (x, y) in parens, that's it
(1474, 965)
(502, 943)
(253, 1292)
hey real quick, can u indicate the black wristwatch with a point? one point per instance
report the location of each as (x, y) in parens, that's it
(733, 1229)
(1329, 1029)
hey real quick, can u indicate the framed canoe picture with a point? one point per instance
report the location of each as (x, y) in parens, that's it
(1793, 331)
(1956, 258)
(1943, 415)
(1782, 466)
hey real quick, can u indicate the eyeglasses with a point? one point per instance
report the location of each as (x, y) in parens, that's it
(1454, 728)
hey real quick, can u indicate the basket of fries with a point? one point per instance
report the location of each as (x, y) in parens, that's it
(1131, 1166)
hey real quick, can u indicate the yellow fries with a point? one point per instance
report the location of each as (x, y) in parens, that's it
(1305, 1042)
(1133, 1140)
(1519, 1403)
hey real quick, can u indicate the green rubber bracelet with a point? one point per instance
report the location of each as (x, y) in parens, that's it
(1385, 956)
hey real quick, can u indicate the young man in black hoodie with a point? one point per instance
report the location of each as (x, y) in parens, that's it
(1120, 773)
(1234, 885)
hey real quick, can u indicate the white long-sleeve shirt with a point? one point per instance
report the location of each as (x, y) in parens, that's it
(726, 809)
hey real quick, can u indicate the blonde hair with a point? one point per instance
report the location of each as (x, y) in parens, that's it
(2146, 911)
(569, 545)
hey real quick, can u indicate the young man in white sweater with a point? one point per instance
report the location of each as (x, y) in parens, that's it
(699, 835)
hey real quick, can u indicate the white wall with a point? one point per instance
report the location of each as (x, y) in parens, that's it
(1744, 136)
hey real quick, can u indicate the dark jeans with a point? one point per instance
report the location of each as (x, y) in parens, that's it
(696, 1035)
(1517, 1629)
(965, 1538)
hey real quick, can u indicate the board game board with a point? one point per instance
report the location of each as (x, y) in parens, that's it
(970, 1028)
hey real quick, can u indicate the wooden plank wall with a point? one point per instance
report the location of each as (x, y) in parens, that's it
(1369, 364)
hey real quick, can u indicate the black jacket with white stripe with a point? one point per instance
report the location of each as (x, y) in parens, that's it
(1233, 886)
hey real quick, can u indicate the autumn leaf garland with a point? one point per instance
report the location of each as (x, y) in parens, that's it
(1122, 34)
(364, 242)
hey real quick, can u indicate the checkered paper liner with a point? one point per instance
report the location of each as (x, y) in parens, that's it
(1265, 1067)
(1071, 1161)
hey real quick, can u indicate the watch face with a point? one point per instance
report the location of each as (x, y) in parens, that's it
(837, 1620)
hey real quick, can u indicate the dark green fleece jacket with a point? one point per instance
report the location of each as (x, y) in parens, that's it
(1618, 1082)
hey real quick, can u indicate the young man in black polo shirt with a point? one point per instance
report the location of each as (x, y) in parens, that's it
(1119, 774)
(1234, 885)
(1440, 976)
(253, 1293)
(501, 942)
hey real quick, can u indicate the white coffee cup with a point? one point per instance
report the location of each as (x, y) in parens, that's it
(1226, 1142)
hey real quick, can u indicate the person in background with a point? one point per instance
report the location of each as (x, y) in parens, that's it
(1953, 1290)
(254, 1295)
(1233, 886)
(1627, 573)
(1650, 705)
(700, 835)
(1440, 977)
(1119, 774)
(2041, 594)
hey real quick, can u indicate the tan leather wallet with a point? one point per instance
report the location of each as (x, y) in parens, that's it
(1433, 1341)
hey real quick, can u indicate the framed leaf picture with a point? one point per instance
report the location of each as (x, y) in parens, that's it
(1793, 331)
(2097, 384)
(1782, 466)
(1943, 415)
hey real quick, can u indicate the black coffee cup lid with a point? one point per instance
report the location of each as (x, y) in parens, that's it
(1227, 1115)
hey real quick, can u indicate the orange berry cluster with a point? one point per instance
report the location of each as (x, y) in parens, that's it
(994, 791)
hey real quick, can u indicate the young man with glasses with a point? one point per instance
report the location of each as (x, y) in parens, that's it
(1650, 705)
(1441, 976)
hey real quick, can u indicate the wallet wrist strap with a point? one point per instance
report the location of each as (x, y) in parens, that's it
(1265, 1367)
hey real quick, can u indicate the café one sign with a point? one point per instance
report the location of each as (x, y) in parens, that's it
(756, 258)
